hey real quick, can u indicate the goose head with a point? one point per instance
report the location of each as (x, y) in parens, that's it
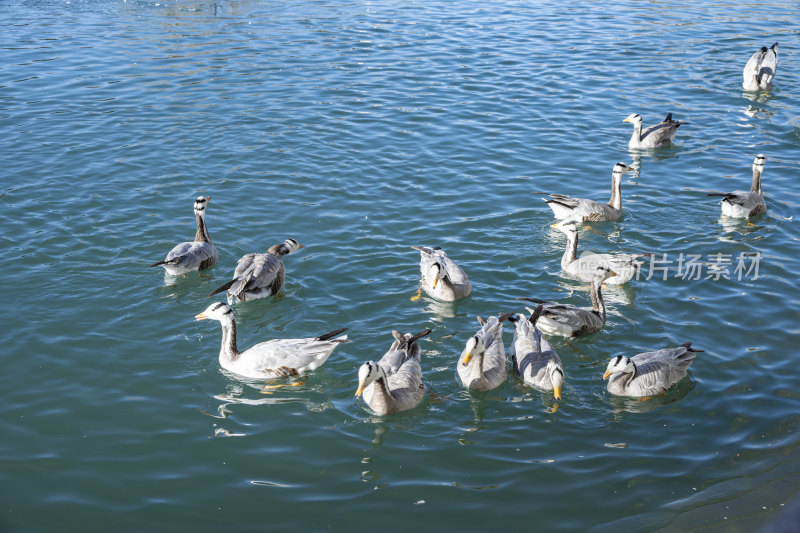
(634, 118)
(556, 378)
(621, 168)
(200, 205)
(286, 247)
(218, 311)
(367, 374)
(567, 227)
(602, 273)
(436, 272)
(474, 346)
(619, 365)
(759, 162)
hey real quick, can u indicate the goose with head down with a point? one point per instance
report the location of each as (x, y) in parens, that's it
(394, 383)
(441, 277)
(760, 69)
(584, 210)
(746, 204)
(650, 373)
(274, 358)
(534, 359)
(569, 320)
(196, 255)
(482, 365)
(259, 275)
(660, 134)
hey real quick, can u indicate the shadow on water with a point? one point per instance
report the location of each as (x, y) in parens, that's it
(621, 405)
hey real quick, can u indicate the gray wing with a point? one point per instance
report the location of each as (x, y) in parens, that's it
(582, 321)
(258, 271)
(658, 371)
(192, 255)
(761, 66)
(580, 209)
(455, 272)
(661, 133)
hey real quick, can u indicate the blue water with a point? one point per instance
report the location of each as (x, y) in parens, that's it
(361, 129)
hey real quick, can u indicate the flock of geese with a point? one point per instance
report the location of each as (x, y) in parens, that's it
(395, 382)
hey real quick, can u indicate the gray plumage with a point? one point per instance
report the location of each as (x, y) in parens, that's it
(196, 255)
(568, 320)
(584, 210)
(482, 365)
(534, 359)
(274, 358)
(394, 383)
(760, 69)
(660, 134)
(746, 204)
(441, 277)
(649, 373)
(583, 268)
(259, 275)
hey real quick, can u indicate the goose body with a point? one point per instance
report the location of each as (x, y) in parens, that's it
(584, 210)
(482, 365)
(534, 359)
(441, 277)
(760, 69)
(196, 255)
(274, 358)
(650, 373)
(394, 383)
(660, 134)
(746, 204)
(583, 268)
(568, 320)
(259, 275)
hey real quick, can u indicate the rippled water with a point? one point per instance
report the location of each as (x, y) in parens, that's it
(360, 129)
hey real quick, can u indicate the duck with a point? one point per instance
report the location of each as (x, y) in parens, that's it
(760, 69)
(744, 204)
(259, 275)
(394, 383)
(583, 210)
(199, 254)
(568, 320)
(625, 265)
(276, 358)
(533, 358)
(650, 373)
(482, 365)
(660, 134)
(441, 277)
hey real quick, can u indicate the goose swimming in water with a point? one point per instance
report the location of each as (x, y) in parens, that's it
(760, 69)
(394, 383)
(625, 265)
(442, 278)
(274, 358)
(583, 210)
(744, 204)
(653, 136)
(196, 255)
(569, 320)
(534, 360)
(482, 365)
(650, 373)
(259, 275)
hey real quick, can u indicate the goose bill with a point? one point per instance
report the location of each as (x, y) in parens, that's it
(467, 358)
(201, 316)
(557, 393)
(606, 374)
(360, 389)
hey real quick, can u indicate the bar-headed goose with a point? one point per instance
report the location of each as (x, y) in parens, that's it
(441, 277)
(660, 134)
(196, 255)
(394, 383)
(760, 69)
(274, 358)
(746, 204)
(482, 365)
(534, 360)
(584, 210)
(259, 275)
(649, 373)
(569, 320)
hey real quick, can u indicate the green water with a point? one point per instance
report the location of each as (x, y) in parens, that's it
(361, 129)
